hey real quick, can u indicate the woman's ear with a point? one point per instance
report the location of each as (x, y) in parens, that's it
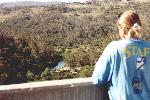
(122, 32)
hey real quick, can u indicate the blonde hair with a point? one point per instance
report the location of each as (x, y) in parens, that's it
(131, 23)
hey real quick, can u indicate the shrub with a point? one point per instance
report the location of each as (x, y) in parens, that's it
(86, 71)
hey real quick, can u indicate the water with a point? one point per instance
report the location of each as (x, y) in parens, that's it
(60, 65)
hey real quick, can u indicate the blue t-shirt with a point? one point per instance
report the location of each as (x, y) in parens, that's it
(125, 67)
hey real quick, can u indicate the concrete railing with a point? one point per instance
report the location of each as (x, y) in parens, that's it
(68, 89)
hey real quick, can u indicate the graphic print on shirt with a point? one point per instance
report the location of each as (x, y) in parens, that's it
(137, 82)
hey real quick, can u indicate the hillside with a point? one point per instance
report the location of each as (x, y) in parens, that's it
(28, 3)
(75, 33)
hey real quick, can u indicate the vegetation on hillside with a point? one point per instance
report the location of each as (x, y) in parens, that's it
(35, 38)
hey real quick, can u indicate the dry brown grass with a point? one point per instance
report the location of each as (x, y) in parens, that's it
(33, 11)
(8, 16)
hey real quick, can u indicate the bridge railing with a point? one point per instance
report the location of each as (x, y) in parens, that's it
(68, 89)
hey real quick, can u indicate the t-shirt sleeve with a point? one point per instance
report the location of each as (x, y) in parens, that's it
(104, 66)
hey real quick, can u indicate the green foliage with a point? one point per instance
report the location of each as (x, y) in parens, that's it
(3, 78)
(18, 63)
(86, 71)
(46, 74)
(64, 74)
(30, 76)
(80, 57)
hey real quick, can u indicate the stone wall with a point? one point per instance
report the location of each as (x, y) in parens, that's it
(69, 89)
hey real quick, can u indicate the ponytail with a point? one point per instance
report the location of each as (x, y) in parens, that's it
(134, 32)
(130, 24)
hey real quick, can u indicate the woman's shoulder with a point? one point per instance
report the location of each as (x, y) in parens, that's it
(119, 43)
(115, 43)
(122, 43)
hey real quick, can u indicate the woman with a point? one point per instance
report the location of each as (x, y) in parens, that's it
(125, 64)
